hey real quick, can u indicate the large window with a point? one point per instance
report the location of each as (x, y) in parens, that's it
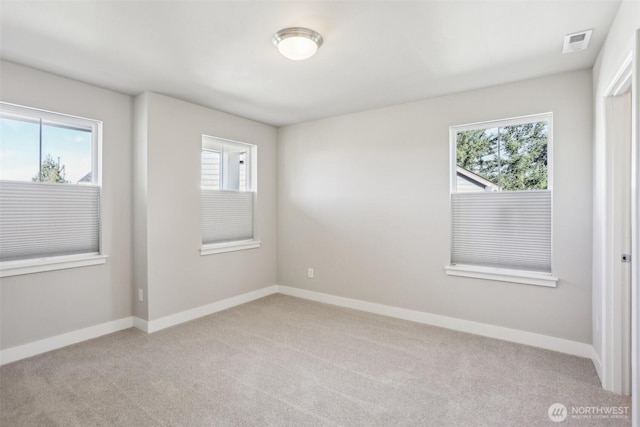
(49, 185)
(228, 191)
(501, 200)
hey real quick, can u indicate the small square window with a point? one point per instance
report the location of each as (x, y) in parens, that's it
(227, 195)
(226, 165)
(45, 149)
(503, 158)
(49, 187)
(501, 199)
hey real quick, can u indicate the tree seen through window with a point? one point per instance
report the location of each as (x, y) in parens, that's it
(514, 157)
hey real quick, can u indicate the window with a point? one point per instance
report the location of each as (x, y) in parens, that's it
(228, 189)
(49, 190)
(501, 200)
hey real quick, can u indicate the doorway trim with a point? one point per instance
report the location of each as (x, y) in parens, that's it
(616, 323)
(635, 238)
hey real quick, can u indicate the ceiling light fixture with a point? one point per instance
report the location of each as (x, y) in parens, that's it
(297, 43)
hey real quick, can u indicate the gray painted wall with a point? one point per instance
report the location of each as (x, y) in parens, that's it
(41, 305)
(178, 277)
(364, 199)
(380, 237)
(140, 267)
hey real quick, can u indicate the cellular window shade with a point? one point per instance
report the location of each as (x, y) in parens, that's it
(509, 229)
(41, 220)
(226, 216)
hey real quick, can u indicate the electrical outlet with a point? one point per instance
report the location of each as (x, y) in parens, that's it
(140, 295)
(310, 273)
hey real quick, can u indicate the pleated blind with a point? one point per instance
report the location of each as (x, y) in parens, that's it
(226, 216)
(42, 220)
(508, 229)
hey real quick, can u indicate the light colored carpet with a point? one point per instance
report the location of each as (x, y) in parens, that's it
(284, 361)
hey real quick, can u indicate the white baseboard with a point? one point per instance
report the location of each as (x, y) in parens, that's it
(205, 310)
(506, 334)
(521, 337)
(596, 363)
(48, 344)
(141, 324)
(42, 346)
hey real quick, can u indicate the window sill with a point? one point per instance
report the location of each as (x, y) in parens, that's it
(503, 275)
(239, 245)
(39, 265)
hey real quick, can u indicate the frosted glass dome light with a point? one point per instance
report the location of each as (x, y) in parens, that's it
(297, 43)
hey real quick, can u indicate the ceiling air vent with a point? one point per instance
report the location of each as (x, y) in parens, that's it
(576, 41)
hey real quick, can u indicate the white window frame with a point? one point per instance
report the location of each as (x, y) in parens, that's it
(52, 263)
(251, 161)
(494, 273)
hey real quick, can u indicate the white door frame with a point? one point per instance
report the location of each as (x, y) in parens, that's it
(635, 238)
(627, 76)
(614, 330)
(616, 316)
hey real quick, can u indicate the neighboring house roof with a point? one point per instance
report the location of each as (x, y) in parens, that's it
(476, 179)
(87, 178)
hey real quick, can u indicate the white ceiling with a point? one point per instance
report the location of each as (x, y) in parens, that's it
(219, 54)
